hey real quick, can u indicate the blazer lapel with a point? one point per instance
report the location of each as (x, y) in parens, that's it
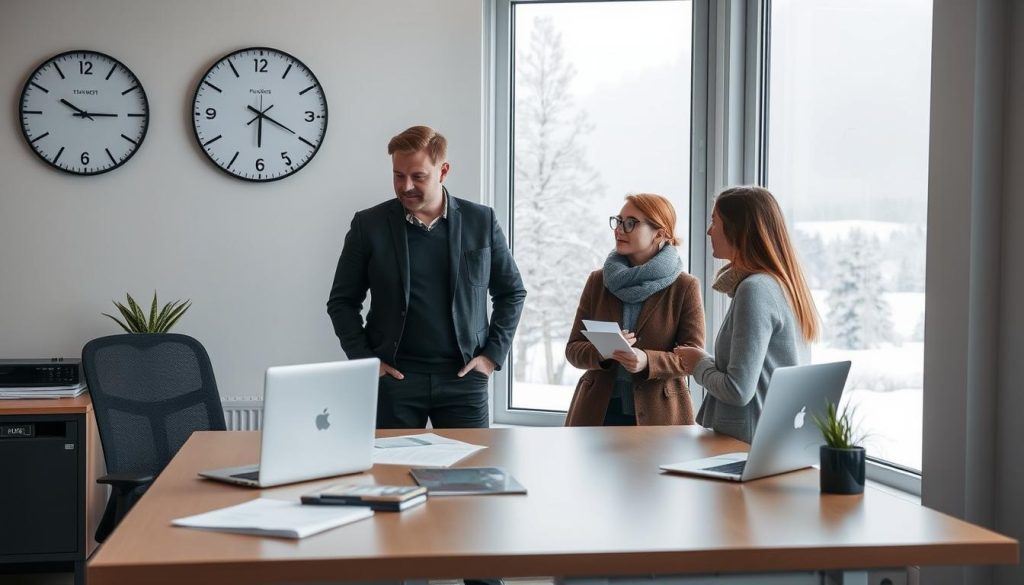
(650, 307)
(396, 220)
(454, 240)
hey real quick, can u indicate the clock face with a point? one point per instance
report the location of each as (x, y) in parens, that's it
(260, 114)
(84, 112)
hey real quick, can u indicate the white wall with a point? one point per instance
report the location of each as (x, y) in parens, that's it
(257, 260)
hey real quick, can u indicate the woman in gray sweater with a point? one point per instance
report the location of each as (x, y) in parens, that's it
(771, 319)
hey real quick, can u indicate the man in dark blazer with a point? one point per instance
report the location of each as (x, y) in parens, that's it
(429, 260)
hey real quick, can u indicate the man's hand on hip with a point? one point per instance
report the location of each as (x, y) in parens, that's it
(386, 369)
(480, 363)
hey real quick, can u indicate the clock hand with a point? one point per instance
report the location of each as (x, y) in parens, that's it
(273, 121)
(263, 114)
(91, 114)
(81, 113)
(259, 132)
(258, 113)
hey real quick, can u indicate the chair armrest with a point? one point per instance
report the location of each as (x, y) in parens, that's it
(127, 481)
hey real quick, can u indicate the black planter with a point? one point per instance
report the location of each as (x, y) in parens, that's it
(842, 470)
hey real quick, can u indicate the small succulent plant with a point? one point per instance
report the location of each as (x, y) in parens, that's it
(837, 427)
(136, 320)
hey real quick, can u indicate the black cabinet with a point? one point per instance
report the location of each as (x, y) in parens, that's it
(49, 502)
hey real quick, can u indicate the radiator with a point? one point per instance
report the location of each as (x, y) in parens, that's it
(243, 414)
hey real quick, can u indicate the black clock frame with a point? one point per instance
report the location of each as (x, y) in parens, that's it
(199, 142)
(21, 105)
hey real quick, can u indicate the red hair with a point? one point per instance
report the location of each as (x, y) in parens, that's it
(659, 212)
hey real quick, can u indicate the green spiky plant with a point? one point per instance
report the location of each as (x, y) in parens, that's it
(837, 427)
(136, 320)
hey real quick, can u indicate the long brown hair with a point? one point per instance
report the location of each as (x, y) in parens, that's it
(753, 224)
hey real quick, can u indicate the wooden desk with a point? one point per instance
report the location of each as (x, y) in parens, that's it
(597, 505)
(51, 503)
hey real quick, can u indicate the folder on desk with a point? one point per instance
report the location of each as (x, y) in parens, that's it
(467, 481)
(281, 518)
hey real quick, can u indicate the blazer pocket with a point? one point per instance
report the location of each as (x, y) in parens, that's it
(478, 266)
(675, 386)
(585, 383)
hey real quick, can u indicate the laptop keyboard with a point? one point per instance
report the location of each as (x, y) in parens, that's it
(253, 475)
(731, 468)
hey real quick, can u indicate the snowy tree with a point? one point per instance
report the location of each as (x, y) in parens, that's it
(919, 329)
(814, 260)
(554, 223)
(859, 316)
(908, 248)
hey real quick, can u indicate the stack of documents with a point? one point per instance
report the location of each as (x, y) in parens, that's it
(42, 391)
(424, 450)
(467, 481)
(268, 517)
(606, 337)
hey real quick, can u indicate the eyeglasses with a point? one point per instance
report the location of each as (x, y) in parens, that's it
(627, 224)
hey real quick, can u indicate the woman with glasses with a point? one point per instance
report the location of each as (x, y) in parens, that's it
(771, 319)
(643, 288)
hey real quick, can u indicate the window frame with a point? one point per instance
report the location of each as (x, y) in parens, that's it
(729, 129)
(500, 27)
(879, 470)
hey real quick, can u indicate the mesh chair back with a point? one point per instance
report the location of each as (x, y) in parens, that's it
(150, 391)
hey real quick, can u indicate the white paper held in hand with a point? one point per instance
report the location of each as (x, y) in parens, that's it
(606, 337)
(607, 326)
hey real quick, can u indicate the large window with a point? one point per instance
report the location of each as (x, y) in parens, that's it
(848, 159)
(600, 109)
(825, 101)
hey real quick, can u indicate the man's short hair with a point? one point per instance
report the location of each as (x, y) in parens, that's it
(420, 138)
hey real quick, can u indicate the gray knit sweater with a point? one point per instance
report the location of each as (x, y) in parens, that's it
(759, 334)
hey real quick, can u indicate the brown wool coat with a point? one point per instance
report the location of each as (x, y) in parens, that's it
(672, 316)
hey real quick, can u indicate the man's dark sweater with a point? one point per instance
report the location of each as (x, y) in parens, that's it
(428, 341)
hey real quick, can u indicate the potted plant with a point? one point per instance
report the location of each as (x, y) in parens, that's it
(843, 459)
(136, 320)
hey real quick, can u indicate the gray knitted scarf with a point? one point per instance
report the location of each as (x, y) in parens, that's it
(633, 284)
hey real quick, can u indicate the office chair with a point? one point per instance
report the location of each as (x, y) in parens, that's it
(150, 392)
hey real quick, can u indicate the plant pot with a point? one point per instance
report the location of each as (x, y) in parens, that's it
(842, 470)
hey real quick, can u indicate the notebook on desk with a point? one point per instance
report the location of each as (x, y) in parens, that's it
(318, 421)
(786, 439)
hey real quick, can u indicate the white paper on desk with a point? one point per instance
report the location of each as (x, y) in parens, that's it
(18, 393)
(269, 517)
(607, 342)
(423, 450)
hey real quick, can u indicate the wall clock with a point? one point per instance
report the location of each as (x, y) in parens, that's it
(259, 114)
(84, 112)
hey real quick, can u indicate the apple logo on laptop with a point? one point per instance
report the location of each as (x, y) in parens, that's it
(321, 420)
(798, 421)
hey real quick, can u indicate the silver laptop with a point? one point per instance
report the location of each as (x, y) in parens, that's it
(318, 421)
(786, 438)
